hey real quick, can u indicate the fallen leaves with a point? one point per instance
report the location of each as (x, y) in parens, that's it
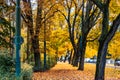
(65, 71)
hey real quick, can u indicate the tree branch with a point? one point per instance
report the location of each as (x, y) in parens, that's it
(98, 4)
(49, 16)
(93, 39)
(92, 14)
(50, 9)
(108, 2)
(113, 28)
(97, 16)
(94, 17)
(63, 14)
(21, 12)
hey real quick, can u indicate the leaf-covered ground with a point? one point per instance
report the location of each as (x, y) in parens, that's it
(64, 71)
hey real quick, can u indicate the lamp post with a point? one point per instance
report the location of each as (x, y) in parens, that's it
(18, 38)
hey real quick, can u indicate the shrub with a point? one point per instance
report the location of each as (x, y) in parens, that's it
(27, 71)
(7, 69)
(7, 63)
(50, 62)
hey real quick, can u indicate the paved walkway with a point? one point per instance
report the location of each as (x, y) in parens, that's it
(65, 71)
(62, 71)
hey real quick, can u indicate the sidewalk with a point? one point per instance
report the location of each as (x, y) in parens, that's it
(65, 71)
(62, 71)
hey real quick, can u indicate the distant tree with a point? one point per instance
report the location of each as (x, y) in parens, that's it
(35, 23)
(5, 29)
(79, 19)
(90, 15)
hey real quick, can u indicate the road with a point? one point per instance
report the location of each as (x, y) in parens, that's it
(112, 66)
(108, 65)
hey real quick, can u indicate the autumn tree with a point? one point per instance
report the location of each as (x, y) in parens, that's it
(106, 35)
(58, 39)
(71, 13)
(28, 18)
(34, 25)
(87, 19)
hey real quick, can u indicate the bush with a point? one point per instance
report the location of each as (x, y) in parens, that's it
(26, 72)
(50, 62)
(7, 64)
(7, 69)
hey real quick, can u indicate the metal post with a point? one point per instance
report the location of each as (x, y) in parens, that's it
(18, 38)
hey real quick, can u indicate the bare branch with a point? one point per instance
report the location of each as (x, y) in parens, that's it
(24, 19)
(93, 39)
(75, 3)
(49, 16)
(67, 3)
(99, 4)
(73, 24)
(75, 15)
(70, 4)
(83, 17)
(80, 8)
(93, 17)
(96, 18)
(23, 16)
(63, 14)
(89, 5)
(113, 28)
(13, 2)
(50, 9)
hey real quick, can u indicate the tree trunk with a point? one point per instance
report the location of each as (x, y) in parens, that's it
(101, 60)
(75, 57)
(36, 37)
(70, 58)
(34, 32)
(102, 51)
(82, 52)
(35, 43)
(28, 42)
(45, 65)
(103, 46)
(56, 56)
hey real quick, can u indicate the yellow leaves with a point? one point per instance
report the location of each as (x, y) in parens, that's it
(114, 8)
(59, 40)
(90, 52)
(68, 45)
(59, 34)
(51, 51)
(61, 51)
(114, 46)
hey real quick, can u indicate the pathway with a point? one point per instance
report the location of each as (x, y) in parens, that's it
(65, 71)
(62, 71)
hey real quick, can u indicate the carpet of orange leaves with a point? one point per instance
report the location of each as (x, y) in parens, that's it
(65, 71)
